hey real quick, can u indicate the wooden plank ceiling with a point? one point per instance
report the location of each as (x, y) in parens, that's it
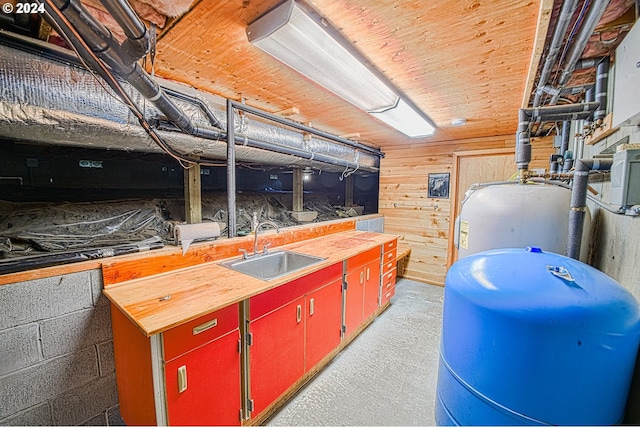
(454, 59)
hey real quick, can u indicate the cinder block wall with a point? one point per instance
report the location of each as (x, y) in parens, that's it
(56, 352)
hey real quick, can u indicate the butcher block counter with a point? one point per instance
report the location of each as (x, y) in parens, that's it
(163, 301)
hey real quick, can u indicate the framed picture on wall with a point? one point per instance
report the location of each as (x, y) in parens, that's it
(439, 185)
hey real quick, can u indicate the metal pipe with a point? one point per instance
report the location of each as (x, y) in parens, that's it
(566, 13)
(231, 171)
(586, 30)
(602, 80)
(137, 43)
(102, 43)
(210, 133)
(579, 201)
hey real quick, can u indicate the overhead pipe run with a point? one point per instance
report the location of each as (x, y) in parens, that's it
(592, 18)
(566, 13)
(556, 113)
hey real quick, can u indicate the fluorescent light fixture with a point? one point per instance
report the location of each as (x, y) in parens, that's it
(405, 119)
(307, 44)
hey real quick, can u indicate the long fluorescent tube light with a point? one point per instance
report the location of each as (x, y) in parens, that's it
(294, 37)
(406, 120)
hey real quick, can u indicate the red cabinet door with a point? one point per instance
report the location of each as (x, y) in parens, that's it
(276, 355)
(203, 385)
(371, 288)
(324, 320)
(354, 300)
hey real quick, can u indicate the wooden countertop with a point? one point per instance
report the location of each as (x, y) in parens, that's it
(162, 301)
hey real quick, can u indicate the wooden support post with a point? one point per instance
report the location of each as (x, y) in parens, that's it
(348, 191)
(192, 195)
(297, 190)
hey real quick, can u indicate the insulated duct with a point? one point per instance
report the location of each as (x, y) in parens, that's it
(47, 99)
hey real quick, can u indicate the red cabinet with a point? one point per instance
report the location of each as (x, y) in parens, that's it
(188, 375)
(276, 356)
(203, 385)
(363, 283)
(288, 325)
(323, 322)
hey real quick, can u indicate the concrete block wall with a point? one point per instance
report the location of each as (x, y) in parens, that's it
(371, 224)
(56, 352)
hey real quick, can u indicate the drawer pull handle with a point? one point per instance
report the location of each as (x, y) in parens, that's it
(311, 306)
(298, 313)
(182, 378)
(388, 295)
(205, 326)
(390, 255)
(367, 273)
(361, 277)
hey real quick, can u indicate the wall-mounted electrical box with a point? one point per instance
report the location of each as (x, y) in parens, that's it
(625, 176)
(626, 102)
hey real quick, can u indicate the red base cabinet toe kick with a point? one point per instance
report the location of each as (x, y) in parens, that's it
(238, 364)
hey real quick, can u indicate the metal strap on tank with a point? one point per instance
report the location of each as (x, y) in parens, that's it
(485, 398)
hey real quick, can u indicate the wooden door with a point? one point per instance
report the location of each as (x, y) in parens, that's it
(470, 167)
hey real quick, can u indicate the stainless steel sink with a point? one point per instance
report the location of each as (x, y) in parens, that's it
(272, 265)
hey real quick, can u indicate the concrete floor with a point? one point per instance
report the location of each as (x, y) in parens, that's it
(386, 376)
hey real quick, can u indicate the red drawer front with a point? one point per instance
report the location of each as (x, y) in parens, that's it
(389, 279)
(387, 294)
(390, 256)
(200, 331)
(277, 297)
(388, 266)
(363, 258)
(390, 245)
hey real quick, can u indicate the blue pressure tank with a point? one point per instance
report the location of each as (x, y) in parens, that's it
(534, 338)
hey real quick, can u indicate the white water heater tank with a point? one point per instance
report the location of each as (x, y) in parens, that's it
(517, 216)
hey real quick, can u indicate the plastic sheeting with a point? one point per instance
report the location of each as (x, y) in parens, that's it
(65, 227)
(30, 229)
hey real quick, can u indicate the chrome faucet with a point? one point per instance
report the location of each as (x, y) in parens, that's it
(255, 241)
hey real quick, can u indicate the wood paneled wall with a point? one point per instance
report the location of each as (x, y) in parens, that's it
(423, 222)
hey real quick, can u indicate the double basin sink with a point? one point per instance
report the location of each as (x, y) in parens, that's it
(272, 265)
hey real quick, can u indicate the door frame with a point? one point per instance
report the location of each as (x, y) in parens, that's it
(457, 155)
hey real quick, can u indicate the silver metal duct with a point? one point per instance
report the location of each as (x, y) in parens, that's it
(48, 101)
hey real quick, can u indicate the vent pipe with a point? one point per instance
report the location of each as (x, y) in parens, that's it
(586, 30)
(566, 13)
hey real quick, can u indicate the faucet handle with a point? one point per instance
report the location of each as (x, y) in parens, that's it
(265, 248)
(244, 253)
